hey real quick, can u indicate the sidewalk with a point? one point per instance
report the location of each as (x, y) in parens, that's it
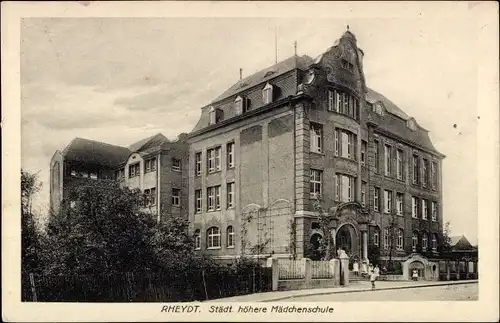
(359, 286)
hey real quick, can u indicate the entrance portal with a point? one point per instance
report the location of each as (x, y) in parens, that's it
(347, 239)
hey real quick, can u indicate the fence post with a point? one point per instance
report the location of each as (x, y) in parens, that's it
(33, 289)
(344, 265)
(335, 269)
(204, 283)
(307, 271)
(275, 273)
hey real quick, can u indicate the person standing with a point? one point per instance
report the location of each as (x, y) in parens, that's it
(355, 268)
(373, 277)
(377, 271)
(414, 275)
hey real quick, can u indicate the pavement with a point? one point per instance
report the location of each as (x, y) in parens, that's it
(358, 286)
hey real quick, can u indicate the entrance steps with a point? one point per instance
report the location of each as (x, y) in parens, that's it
(354, 278)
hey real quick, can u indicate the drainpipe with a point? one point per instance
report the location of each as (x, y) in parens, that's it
(158, 173)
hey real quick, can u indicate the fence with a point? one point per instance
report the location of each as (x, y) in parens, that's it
(146, 287)
(321, 269)
(291, 269)
(457, 270)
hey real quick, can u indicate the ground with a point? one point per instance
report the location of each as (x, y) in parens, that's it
(466, 292)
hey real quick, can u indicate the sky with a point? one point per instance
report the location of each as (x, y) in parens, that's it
(119, 80)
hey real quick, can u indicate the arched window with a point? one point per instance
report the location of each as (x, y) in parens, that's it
(213, 237)
(230, 236)
(376, 237)
(434, 242)
(424, 242)
(386, 239)
(400, 243)
(240, 105)
(414, 241)
(197, 239)
(267, 94)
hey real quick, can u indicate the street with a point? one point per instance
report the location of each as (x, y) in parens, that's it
(464, 292)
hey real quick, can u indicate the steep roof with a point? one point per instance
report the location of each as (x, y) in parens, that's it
(373, 96)
(95, 152)
(156, 140)
(293, 62)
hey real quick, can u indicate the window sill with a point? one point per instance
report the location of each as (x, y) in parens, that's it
(230, 247)
(317, 153)
(177, 170)
(176, 206)
(230, 167)
(230, 207)
(214, 172)
(213, 248)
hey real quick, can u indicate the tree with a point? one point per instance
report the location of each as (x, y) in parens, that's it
(445, 237)
(325, 226)
(30, 243)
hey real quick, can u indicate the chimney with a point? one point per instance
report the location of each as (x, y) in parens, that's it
(241, 73)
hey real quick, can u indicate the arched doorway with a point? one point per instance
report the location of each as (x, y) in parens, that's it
(347, 239)
(419, 266)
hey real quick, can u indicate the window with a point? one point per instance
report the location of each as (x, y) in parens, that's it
(434, 175)
(386, 239)
(197, 163)
(414, 207)
(376, 157)
(150, 196)
(316, 140)
(197, 201)
(134, 170)
(211, 116)
(213, 238)
(345, 188)
(338, 184)
(345, 144)
(414, 242)
(176, 164)
(411, 124)
(416, 170)
(399, 164)
(399, 203)
(363, 153)
(424, 209)
(376, 199)
(73, 172)
(230, 195)
(150, 165)
(434, 242)
(388, 159)
(425, 165)
(388, 201)
(230, 155)
(213, 198)
(331, 101)
(425, 242)
(84, 174)
(315, 183)
(400, 243)
(267, 94)
(176, 197)
(230, 237)
(197, 239)
(363, 193)
(434, 211)
(93, 175)
(376, 238)
(240, 105)
(120, 174)
(213, 159)
(338, 101)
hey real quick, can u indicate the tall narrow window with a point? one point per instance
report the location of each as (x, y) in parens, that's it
(217, 197)
(388, 160)
(434, 211)
(213, 159)
(425, 242)
(376, 238)
(197, 201)
(434, 175)
(217, 158)
(424, 209)
(400, 243)
(197, 239)
(377, 156)
(338, 101)
(416, 170)
(176, 197)
(434, 242)
(230, 195)
(363, 153)
(363, 193)
(197, 162)
(414, 207)
(376, 198)
(230, 155)
(350, 146)
(338, 184)
(399, 164)
(386, 239)
(425, 166)
(230, 236)
(388, 201)
(211, 198)
(213, 237)
(337, 143)
(315, 183)
(211, 116)
(331, 100)
(239, 105)
(316, 140)
(399, 203)
(345, 188)
(414, 242)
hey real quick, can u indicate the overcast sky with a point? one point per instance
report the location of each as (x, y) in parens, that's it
(119, 80)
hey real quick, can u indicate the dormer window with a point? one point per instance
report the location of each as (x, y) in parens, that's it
(214, 116)
(267, 94)
(241, 105)
(411, 124)
(347, 65)
(378, 109)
